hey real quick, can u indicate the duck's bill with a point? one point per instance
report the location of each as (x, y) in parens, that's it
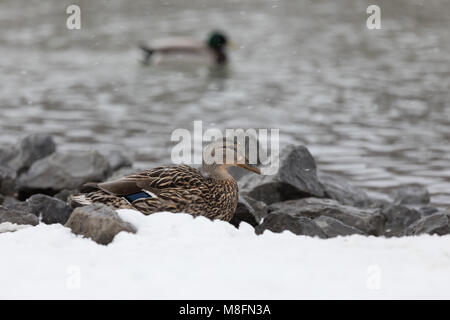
(233, 45)
(250, 167)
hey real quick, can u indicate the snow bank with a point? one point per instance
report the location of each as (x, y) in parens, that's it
(176, 256)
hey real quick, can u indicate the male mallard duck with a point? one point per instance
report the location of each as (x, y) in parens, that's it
(211, 192)
(213, 50)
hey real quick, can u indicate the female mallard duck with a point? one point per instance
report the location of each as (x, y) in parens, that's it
(211, 192)
(213, 50)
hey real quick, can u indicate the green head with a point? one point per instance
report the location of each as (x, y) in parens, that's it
(217, 40)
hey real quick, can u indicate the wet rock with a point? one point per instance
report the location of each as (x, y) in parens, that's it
(398, 218)
(17, 217)
(250, 211)
(411, 195)
(98, 222)
(437, 223)
(7, 152)
(64, 194)
(68, 170)
(339, 189)
(13, 204)
(7, 181)
(31, 149)
(118, 160)
(428, 211)
(333, 227)
(50, 210)
(8, 201)
(295, 179)
(279, 222)
(369, 221)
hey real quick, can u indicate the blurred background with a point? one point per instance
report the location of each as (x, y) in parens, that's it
(371, 105)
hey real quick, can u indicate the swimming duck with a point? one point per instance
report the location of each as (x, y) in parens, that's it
(213, 50)
(211, 191)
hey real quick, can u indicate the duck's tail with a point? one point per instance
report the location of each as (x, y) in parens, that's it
(147, 53)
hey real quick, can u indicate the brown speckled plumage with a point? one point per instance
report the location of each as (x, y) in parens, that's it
(213, 194)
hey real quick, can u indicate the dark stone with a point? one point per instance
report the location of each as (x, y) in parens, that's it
(50, 209)
(98, 222)
(7, 152)
(427, 211)
(13, 204)
(68, 170)
(64, 194)
(296, 178)
(333, 227)
(17, 217)
(339, 189)
(31, 149)
(411, 195)
(369, 221)
(8, 201)
(7, 181)
(437, 223)
(249, 210)
(398, 218)
(279, 222)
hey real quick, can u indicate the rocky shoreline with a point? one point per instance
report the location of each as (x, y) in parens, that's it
(36, 179)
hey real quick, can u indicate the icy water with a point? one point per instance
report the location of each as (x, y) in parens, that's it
(372, 105)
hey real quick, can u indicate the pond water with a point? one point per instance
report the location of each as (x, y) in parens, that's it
(371, 105)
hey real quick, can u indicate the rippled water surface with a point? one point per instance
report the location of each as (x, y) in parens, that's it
(373, 105)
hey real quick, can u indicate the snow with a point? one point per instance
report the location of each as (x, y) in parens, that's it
(176, 256)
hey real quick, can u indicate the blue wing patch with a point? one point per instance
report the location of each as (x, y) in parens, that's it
(135, 196)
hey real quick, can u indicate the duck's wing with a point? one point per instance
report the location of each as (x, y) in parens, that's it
(157, 180)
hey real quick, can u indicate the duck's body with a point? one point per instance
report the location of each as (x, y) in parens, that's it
(212, 192)
(186, 50)
(173, 189)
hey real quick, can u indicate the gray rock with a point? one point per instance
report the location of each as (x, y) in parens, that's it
(279, 222)
(7, 181)
(118, 160)
(50, 210)
(17, 217)
(7, 152)
(9, 201)
(398, 218)
(369, 221)
(31, 149)
(333, 227)
(411, 195)
(98, 222)
(249, 210)
(64, 194)
(296, 178)
(339, 189)
(13, 204)
(68, 170)
(437, 223)
(428, 211)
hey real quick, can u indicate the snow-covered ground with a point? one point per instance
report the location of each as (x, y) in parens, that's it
(177, 256)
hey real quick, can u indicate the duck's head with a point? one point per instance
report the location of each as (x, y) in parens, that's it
(217, 41)
(224, 153)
